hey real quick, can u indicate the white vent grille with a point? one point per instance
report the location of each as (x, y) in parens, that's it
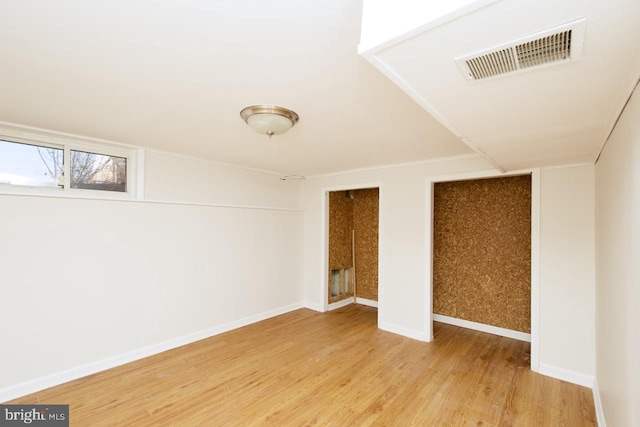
(492, 64)
(552, 47)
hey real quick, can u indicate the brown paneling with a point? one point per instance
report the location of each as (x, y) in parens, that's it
(365, 214)
(482, 251)
(355, 210)
(340, 227)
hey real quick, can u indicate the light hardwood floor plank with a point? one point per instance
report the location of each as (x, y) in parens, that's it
(337, 368)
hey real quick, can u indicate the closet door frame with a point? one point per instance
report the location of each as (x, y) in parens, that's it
(535, 250)
(324, 241)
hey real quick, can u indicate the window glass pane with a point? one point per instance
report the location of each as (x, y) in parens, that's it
(94, 171)
(26, 164)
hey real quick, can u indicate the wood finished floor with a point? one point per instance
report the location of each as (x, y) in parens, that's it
(337, 368)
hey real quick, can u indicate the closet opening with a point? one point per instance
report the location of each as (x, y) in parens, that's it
(483, 243)
(352, 247)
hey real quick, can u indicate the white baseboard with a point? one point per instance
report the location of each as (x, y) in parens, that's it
(57, 378)
(567, 375)
(368, 302)
(399, 330)
(340, 304)
(598, 404)
(312, 306)
(495, 330)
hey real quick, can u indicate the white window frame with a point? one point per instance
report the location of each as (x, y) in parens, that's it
(134, 156)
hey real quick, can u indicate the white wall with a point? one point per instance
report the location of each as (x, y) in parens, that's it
(179, 178)
(618, 271)
(401, 237)
(567, 274)
(403, 265)
(84, 281)
(88, 280)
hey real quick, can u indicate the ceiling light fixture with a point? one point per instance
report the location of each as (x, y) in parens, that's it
(269, 119)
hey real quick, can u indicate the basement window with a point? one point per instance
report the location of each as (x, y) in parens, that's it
(30, 165)
(69, 169)
(93, 171)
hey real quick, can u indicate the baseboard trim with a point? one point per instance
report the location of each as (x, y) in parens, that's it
(340, 304)
(598, 404)
(399, 330)
(312, 306)
(51, 380)
(567, 375)
(495, 330)
(367, 302)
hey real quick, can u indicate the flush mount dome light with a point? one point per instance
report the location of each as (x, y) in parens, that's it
(269, 119)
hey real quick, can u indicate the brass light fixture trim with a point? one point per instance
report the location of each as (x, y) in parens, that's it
(269, 119)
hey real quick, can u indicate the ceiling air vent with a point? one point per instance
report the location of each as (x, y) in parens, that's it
(554, 46)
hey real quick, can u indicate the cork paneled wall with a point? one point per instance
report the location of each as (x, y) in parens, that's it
(365, 221)
(340, 237)
(482, 251)
(353, 223)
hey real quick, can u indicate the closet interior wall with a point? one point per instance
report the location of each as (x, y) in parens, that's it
(482, 251)
(353, 236)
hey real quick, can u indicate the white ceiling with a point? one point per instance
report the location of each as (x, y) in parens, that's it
(173, 75)
(551, 116)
